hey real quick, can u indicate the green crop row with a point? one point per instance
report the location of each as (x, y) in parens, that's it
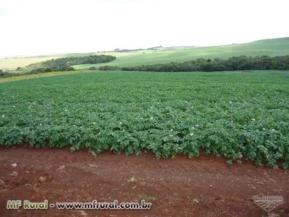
(238, 115)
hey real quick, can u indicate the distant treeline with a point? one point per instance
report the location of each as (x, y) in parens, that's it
(65, 64)
(209, 65)
(2, 73)
(138, 49)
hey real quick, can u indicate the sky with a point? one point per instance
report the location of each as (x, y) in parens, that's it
(38, 27)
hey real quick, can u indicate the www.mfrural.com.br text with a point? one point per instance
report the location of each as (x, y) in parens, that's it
(114, 205)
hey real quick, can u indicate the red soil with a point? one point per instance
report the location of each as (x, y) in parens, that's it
(203, 186)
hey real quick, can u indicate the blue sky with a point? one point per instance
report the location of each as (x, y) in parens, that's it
(34, 27)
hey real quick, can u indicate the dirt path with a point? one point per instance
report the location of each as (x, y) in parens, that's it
(176, 187)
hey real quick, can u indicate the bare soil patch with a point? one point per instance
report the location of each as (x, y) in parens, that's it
(204, 186)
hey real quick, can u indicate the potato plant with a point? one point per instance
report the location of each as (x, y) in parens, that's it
(237, 115)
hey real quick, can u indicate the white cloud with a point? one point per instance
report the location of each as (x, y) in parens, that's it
(56, 26)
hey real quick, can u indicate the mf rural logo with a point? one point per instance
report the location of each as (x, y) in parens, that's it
(268, 203)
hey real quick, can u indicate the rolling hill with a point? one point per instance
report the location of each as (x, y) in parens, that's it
(271, 47)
